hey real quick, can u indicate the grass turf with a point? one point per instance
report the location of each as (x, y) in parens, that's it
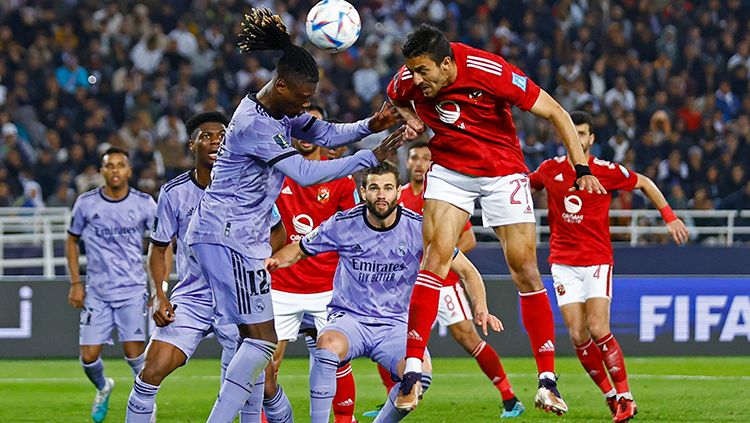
(696, 389)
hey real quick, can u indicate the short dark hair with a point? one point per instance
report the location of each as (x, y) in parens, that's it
(264, 30)
(319, 109)
(580, 117)
(427, 39)
(115, 150)
(418, 144)
(381, 169)
(197, 120)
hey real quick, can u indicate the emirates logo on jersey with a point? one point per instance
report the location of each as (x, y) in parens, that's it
(448, 111)
(573, 205)
(324, 194)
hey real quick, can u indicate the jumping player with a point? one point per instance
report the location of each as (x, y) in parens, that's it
(464, 95)
(229, 231)
(581, 260)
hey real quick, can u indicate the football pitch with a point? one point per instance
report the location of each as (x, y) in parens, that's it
(695, 389)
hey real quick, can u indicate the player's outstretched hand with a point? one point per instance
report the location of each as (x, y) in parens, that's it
(271, 264)
(390, 144)
(590, 184)
(386, 117)
(76, 295)
(163, 310)
(485, 319)
(679, 231)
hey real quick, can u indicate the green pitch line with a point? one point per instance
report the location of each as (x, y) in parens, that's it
(695, 389)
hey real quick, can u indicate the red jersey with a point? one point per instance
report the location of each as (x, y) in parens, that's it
(579, 221)
(415, 202)
(471, 118)
(302, 209)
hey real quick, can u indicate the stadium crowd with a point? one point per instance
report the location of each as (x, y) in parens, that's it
(668, 82)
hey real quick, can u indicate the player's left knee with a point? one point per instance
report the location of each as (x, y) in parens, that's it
(598, 328)
(526, 276)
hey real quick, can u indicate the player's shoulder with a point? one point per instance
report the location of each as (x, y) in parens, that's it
(553, 163)
(478, 62)
(411, 215)
(141, 196)
(601, 166)
(89, 196)
(351, 213)
(175, 182)
(253, 116)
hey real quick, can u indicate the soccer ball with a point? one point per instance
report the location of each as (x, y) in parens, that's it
(333, 25)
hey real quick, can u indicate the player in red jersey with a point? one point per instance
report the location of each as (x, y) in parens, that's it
(305, 289)
(464, 95)
(581, 260)
(454, 310)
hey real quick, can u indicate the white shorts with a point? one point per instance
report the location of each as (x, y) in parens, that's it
(453, 306)
(505, 200)
(576, 284)
(290, 309)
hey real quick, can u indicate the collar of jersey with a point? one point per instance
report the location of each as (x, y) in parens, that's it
(195, 180)
(254, 98)
(376, 229)
(109, 200)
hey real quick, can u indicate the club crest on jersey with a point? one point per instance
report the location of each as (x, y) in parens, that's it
(281, 141)
(131, 215)
(401, 250)
(573, 205)
(324, 194)
(474, 95)
(448, 111)
(519, 81)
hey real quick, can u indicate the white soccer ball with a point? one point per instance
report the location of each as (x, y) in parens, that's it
(333, 25)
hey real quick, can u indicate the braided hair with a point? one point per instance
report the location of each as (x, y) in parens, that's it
(264, 30)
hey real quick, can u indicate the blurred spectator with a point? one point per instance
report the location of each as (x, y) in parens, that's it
(70, 75)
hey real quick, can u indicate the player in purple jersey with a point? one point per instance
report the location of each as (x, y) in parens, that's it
(380, 247)
(179, 332)
(111, 220)
(229, 232)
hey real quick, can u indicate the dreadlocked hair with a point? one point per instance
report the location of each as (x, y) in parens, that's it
(264, 30)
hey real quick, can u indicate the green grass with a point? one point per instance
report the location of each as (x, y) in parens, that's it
(699, 389)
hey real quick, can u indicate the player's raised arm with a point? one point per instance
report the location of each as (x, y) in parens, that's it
(546, 107)
(675, 225)
(414, 124)
(310, 172)
(333, 135)
(475, 288)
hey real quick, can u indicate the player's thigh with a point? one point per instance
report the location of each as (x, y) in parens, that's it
(288, 310)
(389, 347)
(519, 247)
(506, 200)
(241, 286)
(442, 225)
(162, 358)
(96, 323)
(130, 320)
(453, 306)
(568, 282)
(344, 335)
(192, 321)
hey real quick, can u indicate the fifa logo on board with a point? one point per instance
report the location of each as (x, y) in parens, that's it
(23, 330)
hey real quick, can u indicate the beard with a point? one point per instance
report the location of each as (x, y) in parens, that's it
(381, 215)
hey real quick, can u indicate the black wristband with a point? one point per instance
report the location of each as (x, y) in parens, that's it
(582, 170)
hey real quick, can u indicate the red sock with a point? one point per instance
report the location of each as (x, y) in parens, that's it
(385, 376)
(423, 309)
(614, 361)
(490, 364)
(346, 393)
(592, 361)
(536, 314)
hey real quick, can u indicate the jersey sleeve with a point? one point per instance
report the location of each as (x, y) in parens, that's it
(165, 226)
(536, 179)
(321, 239)
(400, 88)
(614, 176)
(275, 217)
(327, 134)
(150, 213)
(348, 196)
(78, 220)
(510, 84)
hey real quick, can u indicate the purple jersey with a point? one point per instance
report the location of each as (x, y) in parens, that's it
(113, 233)
(248, 175)
(377, 267)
